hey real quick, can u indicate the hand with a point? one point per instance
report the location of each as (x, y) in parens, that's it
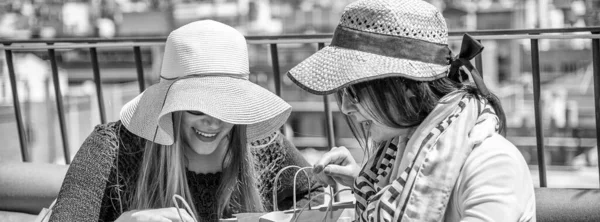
(337, 165)
(155, 215)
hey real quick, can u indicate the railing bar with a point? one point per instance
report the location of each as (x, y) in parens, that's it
(17, 106)
(98, 83)
(34, 46)
(539, 131)
(329, 124)
(137, 52)
(528, 36)
(59, 106)
(596, 68)
(479, 62)
(273, 40)
(522, 31)
(86, 40)
(326, 35)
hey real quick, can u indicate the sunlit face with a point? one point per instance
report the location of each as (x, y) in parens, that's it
(351, 107)
(203, 133)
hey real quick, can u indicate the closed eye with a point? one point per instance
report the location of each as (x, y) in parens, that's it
(197, 113)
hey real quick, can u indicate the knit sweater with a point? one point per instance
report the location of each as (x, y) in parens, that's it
(102, 177)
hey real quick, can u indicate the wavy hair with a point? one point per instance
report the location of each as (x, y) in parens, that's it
(402, 103)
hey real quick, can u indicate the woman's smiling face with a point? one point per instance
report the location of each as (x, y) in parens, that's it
(203, 133)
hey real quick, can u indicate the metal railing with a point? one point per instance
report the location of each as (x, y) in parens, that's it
(534, 35)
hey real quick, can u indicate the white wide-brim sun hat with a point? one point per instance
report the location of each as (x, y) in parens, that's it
(376, 39)
(205, 68)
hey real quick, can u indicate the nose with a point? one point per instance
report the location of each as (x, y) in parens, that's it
(347, 106)
(212, 122)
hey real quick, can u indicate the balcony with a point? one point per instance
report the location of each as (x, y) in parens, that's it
(566, 150)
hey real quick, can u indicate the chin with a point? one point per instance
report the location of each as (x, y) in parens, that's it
(205, 152)
(202, 148)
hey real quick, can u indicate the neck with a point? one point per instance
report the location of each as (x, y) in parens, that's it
(402, 133)
(210, 163)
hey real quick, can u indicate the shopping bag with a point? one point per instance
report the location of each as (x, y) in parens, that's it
(333, 212)
(44, 215)
(177, 198)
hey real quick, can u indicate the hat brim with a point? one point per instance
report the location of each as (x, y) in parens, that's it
(232, 100)
(334, 67)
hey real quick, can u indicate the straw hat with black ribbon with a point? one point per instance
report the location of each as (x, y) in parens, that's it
(205, 68)
(383, 38)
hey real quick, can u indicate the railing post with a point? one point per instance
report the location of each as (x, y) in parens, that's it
(17, 106)
(276, 74)
(539, 131)
(596, 68)
(137, 53)
(98, 83)
(328, 114)
(479, 62)
(59, 105)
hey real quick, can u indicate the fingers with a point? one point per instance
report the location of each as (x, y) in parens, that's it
(338, 171)
(337, 155)
(324, 179)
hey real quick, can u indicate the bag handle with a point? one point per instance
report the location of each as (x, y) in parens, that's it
(329, 211)
(186, 205)
(275, 207)
(303, 169)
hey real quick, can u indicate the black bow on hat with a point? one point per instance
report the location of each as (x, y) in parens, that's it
(468, 50)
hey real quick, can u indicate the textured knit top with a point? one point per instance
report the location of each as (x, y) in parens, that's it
(203, 188)
(102, 177)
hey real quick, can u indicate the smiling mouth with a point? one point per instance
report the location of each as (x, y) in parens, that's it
(207, 135)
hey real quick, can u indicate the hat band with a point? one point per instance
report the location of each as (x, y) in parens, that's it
(236, 76)
(391, 46)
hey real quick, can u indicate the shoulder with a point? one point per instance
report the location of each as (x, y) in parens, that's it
(498, 150)
(108, 144)
(268, 150)
(495, 175)
(495, 162)
(103, 141)
(112, 137)
(268, 140)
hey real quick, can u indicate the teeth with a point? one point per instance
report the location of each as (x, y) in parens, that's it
(205, 134)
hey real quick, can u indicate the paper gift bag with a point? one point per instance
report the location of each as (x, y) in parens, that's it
(341, 213)
(338, 212)
(45, 213)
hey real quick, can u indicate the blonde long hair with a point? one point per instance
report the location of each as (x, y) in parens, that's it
(162, 175)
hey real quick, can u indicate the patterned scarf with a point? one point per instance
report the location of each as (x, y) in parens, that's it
(411, 178)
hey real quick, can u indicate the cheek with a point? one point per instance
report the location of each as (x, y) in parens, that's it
(186, 122)
(227, 128)
(186, 135)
